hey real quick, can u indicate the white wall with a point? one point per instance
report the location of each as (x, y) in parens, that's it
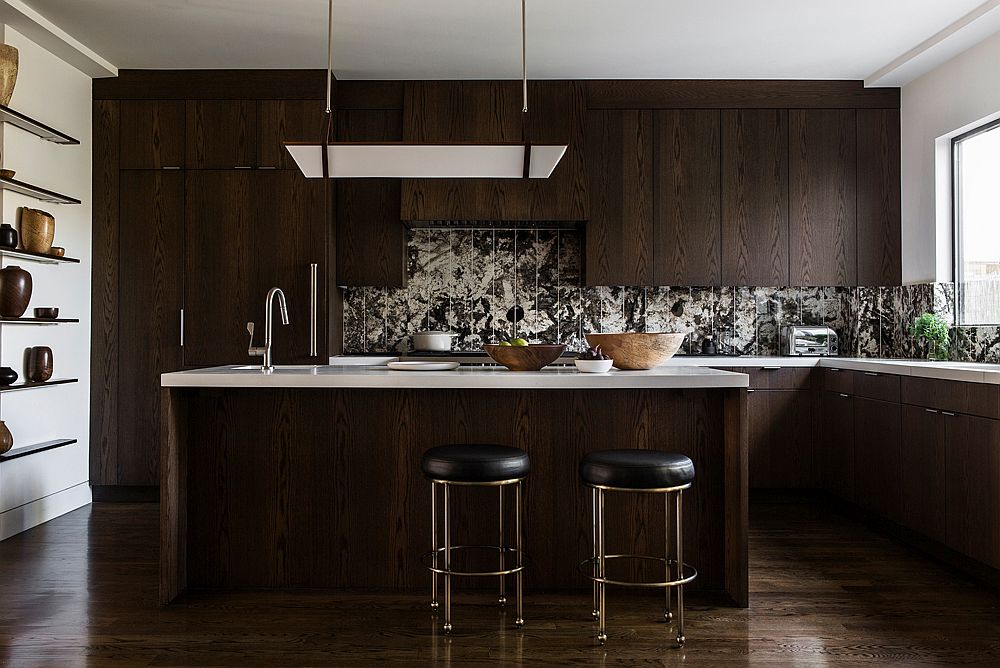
(35, 488)
(960, 94)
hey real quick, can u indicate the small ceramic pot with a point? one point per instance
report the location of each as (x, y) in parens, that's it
(15, 291)
(38, 230)
(594, 366)
(6, 438)
(58, 251)
(8, 236)
(7, 376)
(47, 312)
(39, 364)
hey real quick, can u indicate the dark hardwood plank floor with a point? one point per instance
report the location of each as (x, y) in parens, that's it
(81, 590)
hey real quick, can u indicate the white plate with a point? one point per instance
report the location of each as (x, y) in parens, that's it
(422, 366)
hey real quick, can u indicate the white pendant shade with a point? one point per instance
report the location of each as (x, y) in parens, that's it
(426, 161)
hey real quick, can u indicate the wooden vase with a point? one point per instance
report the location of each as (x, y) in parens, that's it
(8, 72)
(15, 291)
(38, 230)
(39, 364)
(6, 438)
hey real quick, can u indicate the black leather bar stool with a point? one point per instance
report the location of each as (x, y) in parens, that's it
(475, 466)
(646, 471)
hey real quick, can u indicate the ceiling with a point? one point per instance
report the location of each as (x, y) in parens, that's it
(479, 39)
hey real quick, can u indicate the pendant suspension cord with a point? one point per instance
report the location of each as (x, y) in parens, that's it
(328, 125)
(526, 168)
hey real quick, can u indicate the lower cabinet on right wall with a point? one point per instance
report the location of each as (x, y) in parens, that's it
(972, 465)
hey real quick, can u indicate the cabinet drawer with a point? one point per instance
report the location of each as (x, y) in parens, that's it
(872, 385)
(838, 380)
(779, 378)
(950, 395)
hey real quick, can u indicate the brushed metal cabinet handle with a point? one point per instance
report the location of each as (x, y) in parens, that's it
(313, 320)
(930, 410)
(871, 373)
(771, 368)
(845, 396)
(948, 413)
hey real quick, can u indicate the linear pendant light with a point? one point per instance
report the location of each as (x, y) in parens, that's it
(469, 160)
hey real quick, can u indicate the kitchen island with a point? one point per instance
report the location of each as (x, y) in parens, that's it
(310, 476)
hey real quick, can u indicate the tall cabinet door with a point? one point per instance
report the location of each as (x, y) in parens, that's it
(152, 251)
(248, 231)
(755, 197)
(822, 168)
(686, 200)
(879, 217)
(619, 233)
(973, 483)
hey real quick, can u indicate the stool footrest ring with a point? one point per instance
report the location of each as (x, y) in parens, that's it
(586, 567)
(426, 558)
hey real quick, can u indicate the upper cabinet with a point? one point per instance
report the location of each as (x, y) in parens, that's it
(879, 237)
(151, 134)
(279, 121)
(491, 111)
(823, 228)
(755, 197)
(221, 134)
(686, 191)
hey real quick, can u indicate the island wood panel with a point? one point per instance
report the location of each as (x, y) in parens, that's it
(149, 305)
(221, 134)
(322, 488)
(491, 111)
(973, 487)
(619, 232)
(152, 134)
(755, 197)
(371, 238)
(879, 216)
(104, 332)
(287, 120)
(922, 476)
(822, 231)
(686, 192)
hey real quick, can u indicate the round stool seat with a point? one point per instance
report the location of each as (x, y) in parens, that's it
(636, 469)
(475, 463)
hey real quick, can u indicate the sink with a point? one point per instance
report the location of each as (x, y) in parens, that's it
(277, 367)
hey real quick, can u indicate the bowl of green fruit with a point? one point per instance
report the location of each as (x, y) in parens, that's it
(519, 355)
(593, 360)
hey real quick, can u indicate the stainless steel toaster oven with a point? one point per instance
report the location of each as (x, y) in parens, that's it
(809, 341)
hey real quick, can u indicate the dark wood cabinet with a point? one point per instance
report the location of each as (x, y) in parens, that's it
(619, 232)
(755, 197)
(686, 197)
(879, 217)
(834, 463)
(923, 479)
(780, 439)
(221, 134)
(149, 305)
(245, 232)
(822, 175)
(972, 462)
(371, 238)
(286, 120)
(152, 134)
(491, 111)
(878, 457)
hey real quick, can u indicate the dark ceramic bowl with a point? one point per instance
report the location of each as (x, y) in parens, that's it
(7, 376)
(47, 312)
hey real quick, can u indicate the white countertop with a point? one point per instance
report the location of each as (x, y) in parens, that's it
(360, 376)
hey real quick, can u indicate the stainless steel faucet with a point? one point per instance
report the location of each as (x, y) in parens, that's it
(265, 350)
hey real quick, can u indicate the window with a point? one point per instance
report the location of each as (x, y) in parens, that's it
(977, 225)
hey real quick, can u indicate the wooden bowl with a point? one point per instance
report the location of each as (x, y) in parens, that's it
(638, 350)
(524, 358)
(47, 312)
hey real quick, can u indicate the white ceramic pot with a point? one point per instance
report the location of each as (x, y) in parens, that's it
(433, 341)
(594, 366)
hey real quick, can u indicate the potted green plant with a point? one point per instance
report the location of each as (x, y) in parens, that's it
(933, 331)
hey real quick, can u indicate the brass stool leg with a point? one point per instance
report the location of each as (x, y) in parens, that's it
(447, 564)
(503, 549)
(680, 569)
(434, 546)
(602, 636)
(519, 579)
(593, 544)
(667, 614)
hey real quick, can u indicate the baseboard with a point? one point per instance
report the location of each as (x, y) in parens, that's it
(22, 518)
(126, 493)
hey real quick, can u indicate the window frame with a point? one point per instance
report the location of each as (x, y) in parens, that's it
(956, 219)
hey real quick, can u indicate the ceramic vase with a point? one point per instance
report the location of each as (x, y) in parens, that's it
(8, 236)
(6, 438)
(38, 230)
(15, 291)
(39, 364)
(8, 72)
(7, 376)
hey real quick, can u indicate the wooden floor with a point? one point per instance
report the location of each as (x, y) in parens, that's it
(81, 590)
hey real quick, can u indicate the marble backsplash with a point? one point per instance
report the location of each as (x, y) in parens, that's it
(468, 280)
